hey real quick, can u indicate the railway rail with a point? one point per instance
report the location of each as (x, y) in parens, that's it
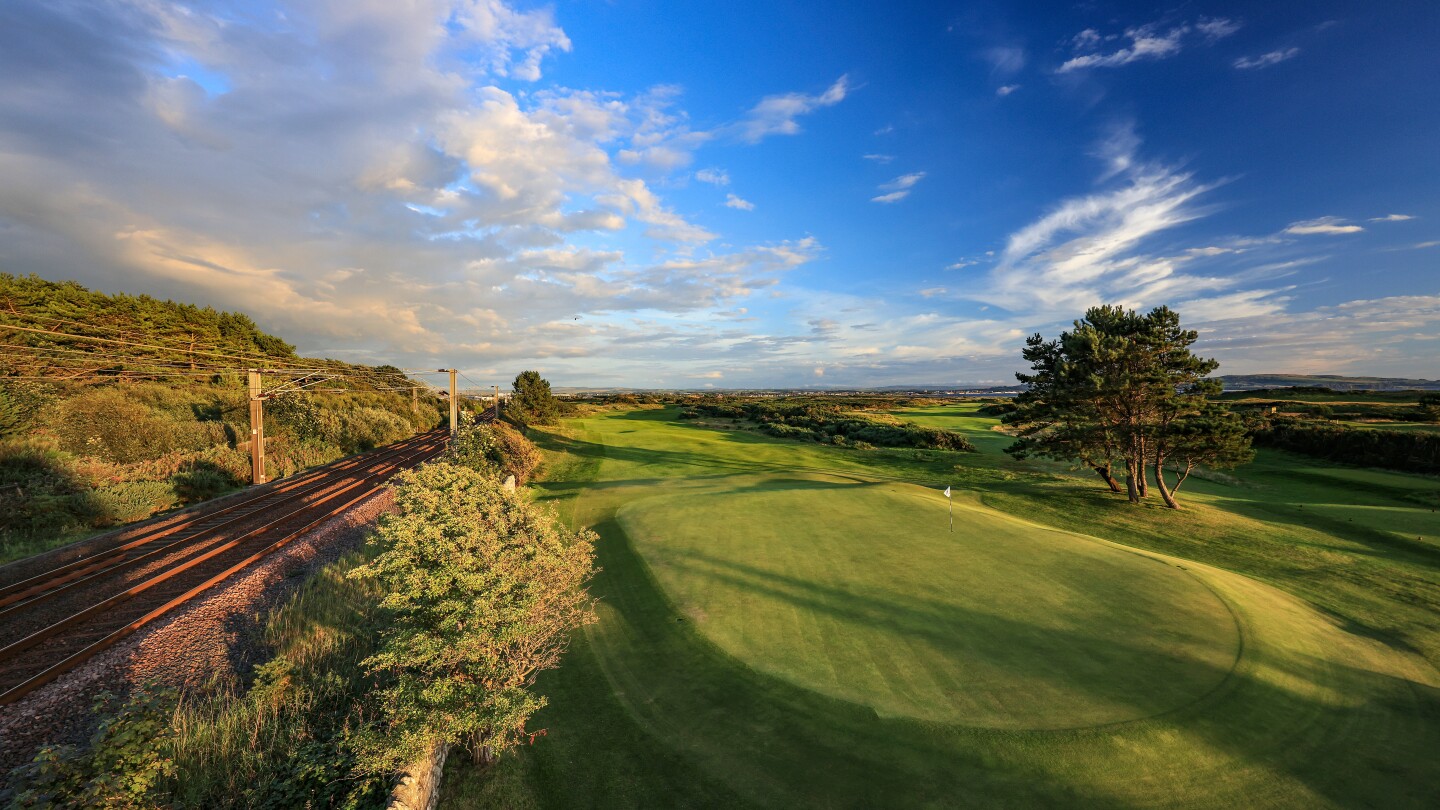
(53, 620)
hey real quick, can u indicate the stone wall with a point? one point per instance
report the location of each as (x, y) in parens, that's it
(419, 788)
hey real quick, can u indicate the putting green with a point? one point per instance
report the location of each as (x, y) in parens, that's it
(860, 592)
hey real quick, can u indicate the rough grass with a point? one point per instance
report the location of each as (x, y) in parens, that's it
(706, 681)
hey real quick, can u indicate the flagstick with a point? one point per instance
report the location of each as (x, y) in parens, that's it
(952, 515)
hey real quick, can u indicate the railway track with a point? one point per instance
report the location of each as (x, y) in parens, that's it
(53, 620)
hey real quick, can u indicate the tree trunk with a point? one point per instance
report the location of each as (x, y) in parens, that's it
(1131, 484)
(1104, 472)
(1160, 483)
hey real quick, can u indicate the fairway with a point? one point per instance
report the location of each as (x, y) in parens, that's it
(859, 591)
(788, 624)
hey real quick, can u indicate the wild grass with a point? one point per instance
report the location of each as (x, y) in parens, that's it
(285, 741)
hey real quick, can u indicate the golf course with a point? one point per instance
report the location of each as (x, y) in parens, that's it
(790, 624)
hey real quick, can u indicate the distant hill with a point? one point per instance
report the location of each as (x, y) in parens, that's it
(1335, 382)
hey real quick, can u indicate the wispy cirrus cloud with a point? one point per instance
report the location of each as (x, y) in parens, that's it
(899, 188)
(1392, 218)
(1095, 248)
(1145, 43)
(777, 115)
(1326, 226)
(1265, 60)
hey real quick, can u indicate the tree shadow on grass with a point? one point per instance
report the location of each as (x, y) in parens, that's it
(783, 745)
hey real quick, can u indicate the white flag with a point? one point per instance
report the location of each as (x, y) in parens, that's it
(947, 492)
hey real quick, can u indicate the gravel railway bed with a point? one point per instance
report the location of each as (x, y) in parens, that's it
(100, 592)
(213, 641)
(31, 605)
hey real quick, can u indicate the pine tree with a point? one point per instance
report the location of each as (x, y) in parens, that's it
(1125, 387)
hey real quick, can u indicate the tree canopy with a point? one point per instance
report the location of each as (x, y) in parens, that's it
(533, 403)
(1122, 388)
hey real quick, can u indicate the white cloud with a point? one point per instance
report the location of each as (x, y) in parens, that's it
(505, 31)
(1392, 218)
(899, 188)
(775, 115)
(880, 159)
(1265, 60)
(1216, 28)
(715, 177)
(1429, 244)
(356, 180)
(1145, 43)
(732, 201)
(1373, 337)
(1087, 39)
(1006, 89)
(1330, 226)
(1230, 306)
(1089, 249)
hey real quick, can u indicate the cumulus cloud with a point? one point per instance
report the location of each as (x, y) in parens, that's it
(356, 178)
(899, 188)
(776, 115)
(732, 201)
(1265, 60)
(1329, 226)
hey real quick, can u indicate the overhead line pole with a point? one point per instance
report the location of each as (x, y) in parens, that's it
(257, 429)
(454, 402)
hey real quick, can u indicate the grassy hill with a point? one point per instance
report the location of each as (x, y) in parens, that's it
(115, 407)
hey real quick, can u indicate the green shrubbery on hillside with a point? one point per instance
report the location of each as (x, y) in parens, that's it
(434, 634)
(115, 408)
(830, 423)
(1409, 451)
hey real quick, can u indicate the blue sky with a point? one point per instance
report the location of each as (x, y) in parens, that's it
(739, 194)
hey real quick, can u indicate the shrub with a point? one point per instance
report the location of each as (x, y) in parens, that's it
(202, 482)
(110, 424)
(496, 447)
(361, 429)
(132, 500)
(120, 768)
(483, 589)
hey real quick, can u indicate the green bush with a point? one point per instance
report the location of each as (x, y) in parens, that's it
(132, 501)
(126, 758)
(483, 589)
(494, 447)
(109, 423)
(201, 483)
